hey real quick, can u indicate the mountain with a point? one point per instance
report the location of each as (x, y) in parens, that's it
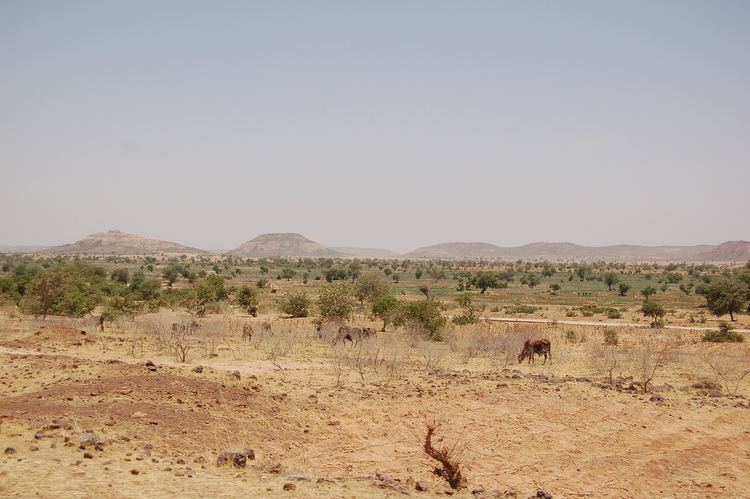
(115, 242)
(283, 244)
(459, 250)
(365, 252)
(22, 249)
(731, 251)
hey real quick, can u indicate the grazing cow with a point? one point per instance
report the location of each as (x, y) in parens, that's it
(536, 347)
(265, 327)
(247, 332)
(354, 334)
(99, 321)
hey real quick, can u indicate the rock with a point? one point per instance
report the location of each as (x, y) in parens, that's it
(656, 398)
(276, 468)
(89, 439)
(198, 369)
(236, 374)
(134, 472)
(289, 486)
(235, 457)
(88, 455)
(421, 487)
(706, 385)
(541, 494)
(150, 365)
(10, 451)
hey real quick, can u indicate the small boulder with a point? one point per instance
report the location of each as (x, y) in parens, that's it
(235, 457)
(198, 369)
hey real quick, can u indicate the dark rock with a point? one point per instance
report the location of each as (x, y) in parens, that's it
(656, 398)
(150, 365)
(198, 369)
(235, 457)
(10, 451)
(88, 455)
(289, 486)
(541, 494)
(421, 487)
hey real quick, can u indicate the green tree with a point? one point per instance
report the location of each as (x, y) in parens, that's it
(385, 308)
(648, 291)
(425, 313)
(483, 281)
(208, 293)
(336, 302)
(554, 288)
(726, 296)
(624, 288)
(531, 279)
(247, 299)
(297, 305)
(653, 310)
(287, 273)
(369, 287)
(610, 279)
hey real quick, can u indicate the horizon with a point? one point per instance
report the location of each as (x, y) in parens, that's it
(334, 246)
(381, 125)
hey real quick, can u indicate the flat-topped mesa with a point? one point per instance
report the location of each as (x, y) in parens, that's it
(283, 244)
(115, 242)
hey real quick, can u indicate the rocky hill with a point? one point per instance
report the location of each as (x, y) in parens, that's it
(114, 242)
(732, 251)
(283, 244)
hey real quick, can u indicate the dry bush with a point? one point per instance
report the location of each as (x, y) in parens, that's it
(462, 342)
(432, 353)
(448, 457)
(729, 362)
(606, 360)
(651, 352)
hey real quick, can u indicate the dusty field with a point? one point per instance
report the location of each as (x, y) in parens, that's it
(82, 415)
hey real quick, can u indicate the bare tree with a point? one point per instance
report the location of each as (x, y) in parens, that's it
(651, 352)
(730, 362)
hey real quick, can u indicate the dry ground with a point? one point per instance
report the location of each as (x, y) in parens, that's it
(349, 421)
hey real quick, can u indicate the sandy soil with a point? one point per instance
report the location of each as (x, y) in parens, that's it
(85, 418)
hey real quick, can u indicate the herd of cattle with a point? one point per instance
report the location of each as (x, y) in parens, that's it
(531, 348)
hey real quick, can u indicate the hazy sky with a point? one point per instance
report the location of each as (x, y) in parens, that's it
(384, 123)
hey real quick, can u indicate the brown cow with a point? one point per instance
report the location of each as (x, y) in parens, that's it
(536, 347)
(188, 327)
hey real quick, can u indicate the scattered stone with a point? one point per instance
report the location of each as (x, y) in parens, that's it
(276, 468)
(656, 398)
(89, 439)
(88, 455)
(289, 486)
(134, 472)
(421, 487)
(541, 494)
(236, 457)
(10, 451)
(150, 365)
(198, 369)
(33, 448)
(236, 374)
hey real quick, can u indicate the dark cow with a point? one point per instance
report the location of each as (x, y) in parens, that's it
(354, 334)
(536, 347)
(247, 332)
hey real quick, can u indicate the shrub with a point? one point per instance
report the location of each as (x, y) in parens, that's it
(247, 299)
(336, 303)
(653, 310)
(610, 337)
(297, 305)
(426, 313)
(613, 313)
(725, 334)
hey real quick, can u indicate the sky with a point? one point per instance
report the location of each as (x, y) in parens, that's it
(391, 124)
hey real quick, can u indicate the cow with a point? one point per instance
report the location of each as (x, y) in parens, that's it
(354, 334)
(247, 332)
(99, 322)
(536, 347)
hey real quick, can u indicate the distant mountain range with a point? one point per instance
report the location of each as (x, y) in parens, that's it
(730, 251)
(115, 242)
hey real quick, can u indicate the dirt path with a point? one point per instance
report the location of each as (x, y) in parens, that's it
(602, 324)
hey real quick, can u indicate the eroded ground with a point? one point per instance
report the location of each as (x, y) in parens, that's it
(83, 415)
